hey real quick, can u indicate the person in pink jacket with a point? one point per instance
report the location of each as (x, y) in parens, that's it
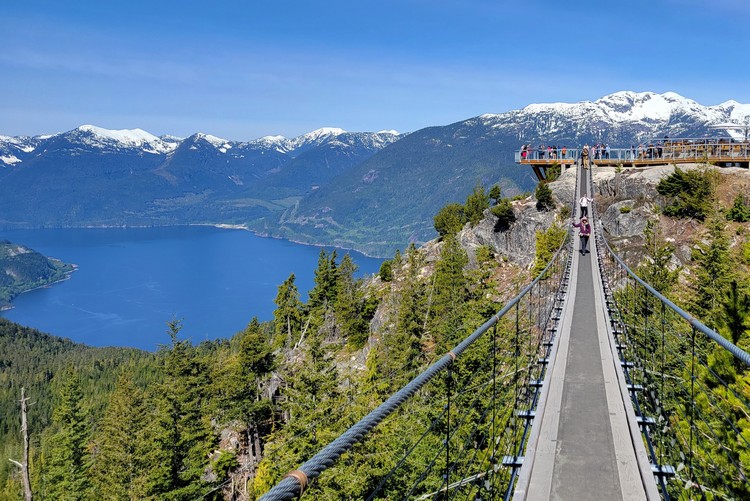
(584, 230)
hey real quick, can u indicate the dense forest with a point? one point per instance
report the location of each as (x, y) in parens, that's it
(22, 269)
(227, 419)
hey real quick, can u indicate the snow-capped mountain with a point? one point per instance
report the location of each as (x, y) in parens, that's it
(90, 137)
(94, 176)
(93, 139)
(300, 144)
(370, 191)
(620, 119)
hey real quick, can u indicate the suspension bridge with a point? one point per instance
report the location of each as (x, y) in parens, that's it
(588, 385)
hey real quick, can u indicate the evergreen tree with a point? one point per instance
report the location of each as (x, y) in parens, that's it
(68, 462)
(712, 272)
(656, 270)
(495, 193)
(288, 314)
(736, 308)
(326, 281)
(449, 296)
(544, 200)
(386, 270)
(180, 434)
(740, 211)
(547, 243)
(483, 288)
(255, 361)
(476, 203)
(353, 311)
(403, 347)
(311, 399)
(118, 469)
(689, 193)
(450, 219)
(503, 211)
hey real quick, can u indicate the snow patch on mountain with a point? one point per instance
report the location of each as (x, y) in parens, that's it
(278, 143)
(217, 142)
(10, 159)
(99, 137)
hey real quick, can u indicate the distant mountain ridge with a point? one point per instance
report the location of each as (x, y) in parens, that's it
(98, 177)
(374, 192)
(396, 192)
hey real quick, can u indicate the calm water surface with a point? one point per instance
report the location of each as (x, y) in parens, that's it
(131, 281)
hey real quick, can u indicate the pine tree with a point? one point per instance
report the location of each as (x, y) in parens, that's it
(255, 361)
(450, 219)
(352, 309)
(68, 463)
(656, 270)
(288, 314)
(483, 288)
(311, 399)
(736, 308)
(450, 295)
(326, 281)
(404, 347)
(476, 203)
(181, 433)
(118, 469)
(712, 272)
(495, 193)
(544, 200)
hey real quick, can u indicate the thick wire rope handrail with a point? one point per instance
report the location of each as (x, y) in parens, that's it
(294, 483)
(738, 352)
(688, 422)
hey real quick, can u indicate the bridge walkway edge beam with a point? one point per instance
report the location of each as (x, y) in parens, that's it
(625, 429)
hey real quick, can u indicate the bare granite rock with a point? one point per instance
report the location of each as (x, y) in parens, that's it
(517, 243)
(626, 218)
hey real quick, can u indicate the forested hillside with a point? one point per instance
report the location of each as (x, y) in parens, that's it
(22, 269)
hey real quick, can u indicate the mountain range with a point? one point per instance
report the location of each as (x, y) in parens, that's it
(374, 192)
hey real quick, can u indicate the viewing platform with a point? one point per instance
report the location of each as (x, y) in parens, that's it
(721, 152)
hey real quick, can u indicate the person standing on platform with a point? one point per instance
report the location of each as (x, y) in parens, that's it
(584, 203)
(584, 230)
(585, 156)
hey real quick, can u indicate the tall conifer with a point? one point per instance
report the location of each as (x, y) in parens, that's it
(68, 462)
(119, 468)
(288, 314)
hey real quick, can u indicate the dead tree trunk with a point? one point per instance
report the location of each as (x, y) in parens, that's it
(25, 465)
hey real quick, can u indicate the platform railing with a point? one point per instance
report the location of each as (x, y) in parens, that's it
(675, 150)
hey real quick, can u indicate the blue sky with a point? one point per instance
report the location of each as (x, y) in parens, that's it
(241, 70)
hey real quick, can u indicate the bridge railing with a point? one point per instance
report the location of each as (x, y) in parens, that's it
(566, 155)
(460, 427)
(689, 386)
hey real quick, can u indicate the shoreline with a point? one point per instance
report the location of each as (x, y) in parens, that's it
(223, 226)
(244, 227)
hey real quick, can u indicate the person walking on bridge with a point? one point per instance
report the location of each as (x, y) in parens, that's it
(584, 230)
(584, 203)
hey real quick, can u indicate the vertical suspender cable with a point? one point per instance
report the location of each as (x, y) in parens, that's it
(692, 403)
(493, 461)
(448, 429)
